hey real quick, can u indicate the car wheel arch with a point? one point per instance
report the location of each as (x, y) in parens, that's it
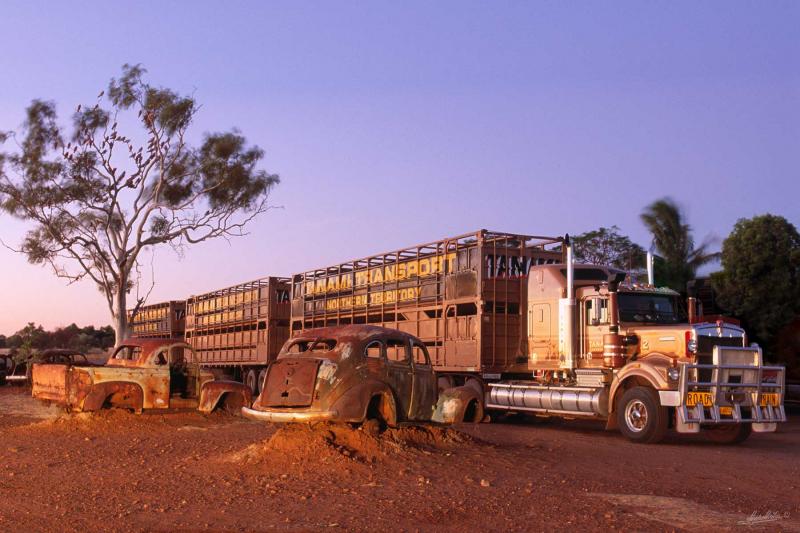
(101, 393)
(214, 393)
(383, 405)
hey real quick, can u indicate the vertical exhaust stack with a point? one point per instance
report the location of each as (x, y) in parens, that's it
(691, 302)
(691, 305)
(650, 276)
(566, 314)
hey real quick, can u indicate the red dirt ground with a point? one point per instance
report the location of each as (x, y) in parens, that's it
(186, 471)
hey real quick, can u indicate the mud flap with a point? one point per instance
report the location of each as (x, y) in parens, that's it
(685, 427)
(764, 427)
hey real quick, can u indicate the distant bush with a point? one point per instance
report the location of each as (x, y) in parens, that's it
(33, 337)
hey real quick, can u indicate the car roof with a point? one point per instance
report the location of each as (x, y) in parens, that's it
(352, 332)
(148, 345)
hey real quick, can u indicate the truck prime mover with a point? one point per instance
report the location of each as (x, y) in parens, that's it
(513, 317)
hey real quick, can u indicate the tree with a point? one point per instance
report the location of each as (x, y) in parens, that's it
(760, 277)
(605, 246)
(29, 339)
(99, 198)
(672, 238)
(34, 338)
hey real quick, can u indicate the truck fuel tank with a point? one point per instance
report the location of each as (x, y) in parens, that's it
(521, 396)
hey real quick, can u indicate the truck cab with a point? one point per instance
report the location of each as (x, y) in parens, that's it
(630, 354)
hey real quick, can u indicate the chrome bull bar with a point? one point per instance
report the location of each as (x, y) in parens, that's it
(737, 389)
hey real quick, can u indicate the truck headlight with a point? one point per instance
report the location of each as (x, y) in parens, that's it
(673, 373)
(691, 346)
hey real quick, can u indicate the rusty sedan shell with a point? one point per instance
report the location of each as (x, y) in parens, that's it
(349, 374)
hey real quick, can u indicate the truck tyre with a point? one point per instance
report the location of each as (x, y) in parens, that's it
(728, 434)
(251, 380)
(444, 383)
(262, 375)
(641, 417)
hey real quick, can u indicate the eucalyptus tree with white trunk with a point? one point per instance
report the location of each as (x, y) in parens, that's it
(101, 197)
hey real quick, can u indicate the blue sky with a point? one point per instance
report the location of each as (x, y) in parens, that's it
(393, 123)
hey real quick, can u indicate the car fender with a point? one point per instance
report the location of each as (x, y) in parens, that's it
(452, 404)
(211, 392)
(131, 393)
(352, 405)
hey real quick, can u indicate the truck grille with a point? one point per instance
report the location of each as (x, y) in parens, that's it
(705, 349)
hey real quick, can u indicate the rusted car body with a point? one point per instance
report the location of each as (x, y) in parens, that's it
(141, 374)
(356, 373)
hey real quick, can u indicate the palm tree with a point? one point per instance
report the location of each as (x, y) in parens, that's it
(678, 259)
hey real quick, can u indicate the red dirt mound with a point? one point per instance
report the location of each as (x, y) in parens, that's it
(324, 443)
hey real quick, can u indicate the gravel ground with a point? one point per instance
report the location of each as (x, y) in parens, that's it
(185, 471)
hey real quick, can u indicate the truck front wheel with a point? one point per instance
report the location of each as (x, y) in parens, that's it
(640, 416)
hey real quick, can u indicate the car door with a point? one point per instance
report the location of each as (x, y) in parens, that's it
(423, 397)
(594, 326)
(400, 374)
(154, 379)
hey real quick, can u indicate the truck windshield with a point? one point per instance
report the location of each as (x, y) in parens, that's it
(650, 308)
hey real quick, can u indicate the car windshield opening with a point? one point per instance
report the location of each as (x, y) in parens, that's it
(307, 346)
(128, 353)
(650, 308)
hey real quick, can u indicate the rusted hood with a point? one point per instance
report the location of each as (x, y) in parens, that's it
(290, 383)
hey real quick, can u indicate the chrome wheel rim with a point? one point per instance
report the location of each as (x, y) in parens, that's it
(636, 416)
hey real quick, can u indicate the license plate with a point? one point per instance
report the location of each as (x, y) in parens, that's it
(769, 398)
(695, 398)
(727, 411)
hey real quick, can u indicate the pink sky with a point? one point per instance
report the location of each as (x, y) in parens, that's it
(393, 124)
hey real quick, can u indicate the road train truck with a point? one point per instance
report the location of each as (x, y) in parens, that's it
(514, 317)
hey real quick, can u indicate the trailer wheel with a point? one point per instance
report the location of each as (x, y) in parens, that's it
(251, 380)
(641, 417)
(728, 434)
(262, 375)
(444, 383)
